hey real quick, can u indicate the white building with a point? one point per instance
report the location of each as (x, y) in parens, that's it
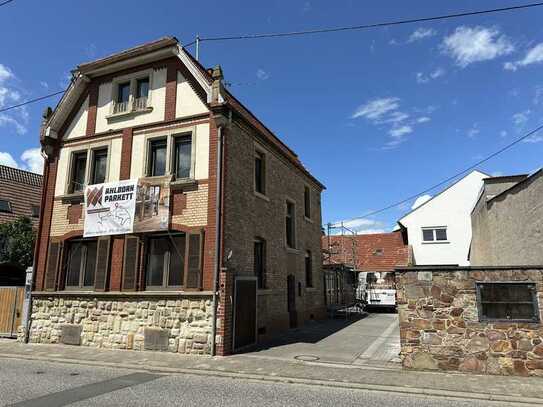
(439, 231)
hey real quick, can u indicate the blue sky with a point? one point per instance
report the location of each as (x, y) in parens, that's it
(376, 115)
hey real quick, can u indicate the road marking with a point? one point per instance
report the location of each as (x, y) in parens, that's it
(69, 396)
(377, 343)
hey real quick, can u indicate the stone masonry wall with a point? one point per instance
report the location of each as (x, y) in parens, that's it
(440, 327)
(121, 323)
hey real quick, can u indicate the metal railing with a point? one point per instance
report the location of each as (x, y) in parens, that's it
(140, 103)
(120, 107)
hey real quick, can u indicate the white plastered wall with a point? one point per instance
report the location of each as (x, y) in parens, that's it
(78, 126)
(187, 101)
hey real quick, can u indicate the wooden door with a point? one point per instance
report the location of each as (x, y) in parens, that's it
(245, 307)
(11, 310)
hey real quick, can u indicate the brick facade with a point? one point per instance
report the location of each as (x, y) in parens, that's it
(193, 208)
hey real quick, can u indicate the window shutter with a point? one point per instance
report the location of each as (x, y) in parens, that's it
(130, 266)
(51, 272)
(102, 263)
(194, 261)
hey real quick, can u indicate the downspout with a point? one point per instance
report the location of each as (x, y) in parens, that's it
(218, 241)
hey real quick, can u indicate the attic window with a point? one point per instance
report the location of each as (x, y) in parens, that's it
(5, 206)
(378, 252)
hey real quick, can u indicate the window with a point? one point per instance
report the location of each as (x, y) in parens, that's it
(35, 211)
(307, 202)
(507, 302)
(434, 234)
(165, 261)
(260, 178)
(81, 263)
(157, 157)
(378, 252)
(308, 269)
(123, 92)
(290, 225)
(182, 156)
(260, 261)
(99, 166)
(142, 93)
(131, 95)
(79, 167)
(5, 206)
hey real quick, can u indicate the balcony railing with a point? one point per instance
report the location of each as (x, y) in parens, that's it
(120, 107)
(140, 103)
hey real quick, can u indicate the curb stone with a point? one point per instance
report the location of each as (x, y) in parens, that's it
(447, 394)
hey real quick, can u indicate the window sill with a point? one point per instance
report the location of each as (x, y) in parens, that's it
(438, 242)
(124, 115)
(74, 199)
(309, 220)
(262, 196)
(268, 291)
(183, 183)
(292, 250)
(310, 289)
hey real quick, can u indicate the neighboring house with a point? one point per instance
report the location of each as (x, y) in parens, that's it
(507, 222)
(439, 231)
(237, 213)
(373, 256)
(20, 195)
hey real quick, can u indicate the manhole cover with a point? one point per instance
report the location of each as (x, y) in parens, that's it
(306, 358)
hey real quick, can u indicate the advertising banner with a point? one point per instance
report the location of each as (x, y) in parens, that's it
(132, 206)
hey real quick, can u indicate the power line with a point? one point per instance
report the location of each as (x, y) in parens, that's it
(471, 167)
(5, 2)
(5, 109)
(367, 26)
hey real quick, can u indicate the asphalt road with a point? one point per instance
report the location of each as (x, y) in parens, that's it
(35, 383)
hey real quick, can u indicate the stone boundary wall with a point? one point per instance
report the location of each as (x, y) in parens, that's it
(179, 324)
(440, 327)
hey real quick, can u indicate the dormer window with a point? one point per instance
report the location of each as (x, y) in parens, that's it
(131, 93)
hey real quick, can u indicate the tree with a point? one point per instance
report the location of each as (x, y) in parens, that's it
(17, 242)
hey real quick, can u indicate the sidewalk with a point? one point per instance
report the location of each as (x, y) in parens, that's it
(511, 389)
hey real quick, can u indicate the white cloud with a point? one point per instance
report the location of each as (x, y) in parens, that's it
(475, 44)
(361, 226)
(421, 33)
(33, 160)
(44, 84)
(7, 159)
(377, 108)
(534, 138)
(5, 73)
(474, 131)
(420, 201)
(16, 118)
(262, 74)
(399, 132)
(423, 78)
(503, 133)
(533, 56)
(424, 119)
(521, 118)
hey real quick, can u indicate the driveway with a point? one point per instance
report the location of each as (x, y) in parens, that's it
(362, 339)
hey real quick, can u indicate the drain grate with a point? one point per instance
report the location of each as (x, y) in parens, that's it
(307, 358)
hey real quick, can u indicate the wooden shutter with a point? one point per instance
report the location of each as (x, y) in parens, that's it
(130, 266)
(102, 263)
(194, 261)
(53, 260)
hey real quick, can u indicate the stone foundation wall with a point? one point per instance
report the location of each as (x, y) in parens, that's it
(176, 324)
(440, 326)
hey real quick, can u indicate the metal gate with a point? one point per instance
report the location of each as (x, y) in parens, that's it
(11, 309)
(245, 305)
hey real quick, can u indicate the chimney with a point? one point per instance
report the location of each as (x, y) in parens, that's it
(216, 87)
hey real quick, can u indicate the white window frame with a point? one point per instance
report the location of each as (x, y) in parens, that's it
(170, 137)
(433, 229)
(132, 78)
(89, 149)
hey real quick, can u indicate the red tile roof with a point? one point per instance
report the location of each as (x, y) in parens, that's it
(375, 252)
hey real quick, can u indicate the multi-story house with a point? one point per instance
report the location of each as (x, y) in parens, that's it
(439, 230)
(225, 245)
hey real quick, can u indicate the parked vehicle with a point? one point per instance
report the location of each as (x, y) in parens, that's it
(380, 290)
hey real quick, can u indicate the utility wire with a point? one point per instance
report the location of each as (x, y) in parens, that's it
(367, 26)
(5, 2)
(5, 109)
(471, 167)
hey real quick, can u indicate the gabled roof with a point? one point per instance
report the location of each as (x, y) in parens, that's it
(373, 252)
(440, 193)
(20, 176)
(155, 50)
